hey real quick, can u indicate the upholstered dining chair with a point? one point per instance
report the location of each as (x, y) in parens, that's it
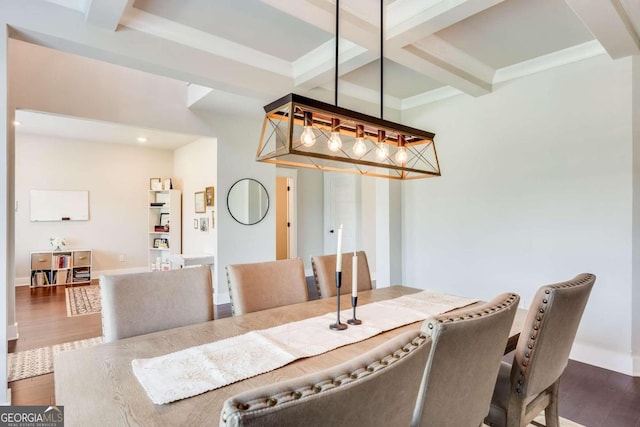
(262, 285)
(530, 384)
(468, 346)
(324, 272)
(141, 303)
(377, 388)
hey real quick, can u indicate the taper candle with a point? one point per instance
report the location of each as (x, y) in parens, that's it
(354, 275)
(339, 253)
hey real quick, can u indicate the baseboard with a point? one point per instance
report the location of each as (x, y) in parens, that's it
(636, 366)
(607, 359)
(12, 332)
(8, 402)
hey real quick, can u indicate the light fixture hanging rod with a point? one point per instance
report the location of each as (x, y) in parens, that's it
(337, 50)
(381, 59)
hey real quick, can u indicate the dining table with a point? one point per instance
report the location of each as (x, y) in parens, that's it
(97, 386)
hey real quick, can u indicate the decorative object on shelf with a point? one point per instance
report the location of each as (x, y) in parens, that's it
(209, 193)
(167, 184)
(303, 132)
(204, 224)
(195, 223)
(58, 243)
(354, 290)
(155, 184)
(338, 326)
(200, 206)
(161, 243)
(164, 221)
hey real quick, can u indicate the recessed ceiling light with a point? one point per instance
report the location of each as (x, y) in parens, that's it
(16, 123)
(142, 139)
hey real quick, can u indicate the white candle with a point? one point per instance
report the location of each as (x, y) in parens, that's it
(339, 253)
(354, 275)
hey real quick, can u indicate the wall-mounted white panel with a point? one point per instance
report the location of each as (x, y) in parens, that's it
(59, 205)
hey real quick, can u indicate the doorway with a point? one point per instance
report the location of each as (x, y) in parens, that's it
(285, 217)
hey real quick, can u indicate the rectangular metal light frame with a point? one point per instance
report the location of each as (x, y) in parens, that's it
(284, 117)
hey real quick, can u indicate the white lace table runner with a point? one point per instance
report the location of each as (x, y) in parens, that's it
(206, 367)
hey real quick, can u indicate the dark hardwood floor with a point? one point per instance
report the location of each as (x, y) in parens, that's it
(589, 395)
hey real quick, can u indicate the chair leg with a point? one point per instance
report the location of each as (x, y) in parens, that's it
(551, 415)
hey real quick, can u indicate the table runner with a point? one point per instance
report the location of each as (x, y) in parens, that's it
(206, 367)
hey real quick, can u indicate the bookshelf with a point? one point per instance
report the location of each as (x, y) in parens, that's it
(56, 268)
(165, 208)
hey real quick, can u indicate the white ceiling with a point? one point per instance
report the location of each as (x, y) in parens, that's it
(260, 50)
(49, 125)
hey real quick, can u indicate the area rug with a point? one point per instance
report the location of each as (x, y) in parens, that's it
(82, 300)
(39, 361)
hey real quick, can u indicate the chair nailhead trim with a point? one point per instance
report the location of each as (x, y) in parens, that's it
(537, 324)
(346, 378)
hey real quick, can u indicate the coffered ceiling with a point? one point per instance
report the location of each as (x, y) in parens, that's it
(260, 50)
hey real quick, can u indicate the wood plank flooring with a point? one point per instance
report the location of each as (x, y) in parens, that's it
(589, 395)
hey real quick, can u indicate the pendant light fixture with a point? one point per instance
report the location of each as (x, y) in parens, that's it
(302, 132)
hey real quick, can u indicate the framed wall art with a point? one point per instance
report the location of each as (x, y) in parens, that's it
(200, 202)
(210, 196)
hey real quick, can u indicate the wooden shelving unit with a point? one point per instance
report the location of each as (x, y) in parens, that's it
(56, 268)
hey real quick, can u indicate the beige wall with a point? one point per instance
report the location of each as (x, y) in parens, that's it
(117, 178)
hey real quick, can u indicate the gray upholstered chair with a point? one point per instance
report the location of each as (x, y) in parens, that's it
(377, 388)
(324, 271)
(262, 285)
(140, 303)
(468, 346)
(530, 384)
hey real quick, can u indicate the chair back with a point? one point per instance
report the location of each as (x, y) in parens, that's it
(542, 352)
(324, 271)
(468, 346)
(141, 303)
(377, 388)
(263, 285)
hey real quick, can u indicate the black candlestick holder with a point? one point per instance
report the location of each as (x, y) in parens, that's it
(338, 326)
(354, 304)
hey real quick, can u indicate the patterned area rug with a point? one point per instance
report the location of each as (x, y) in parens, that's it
(83, 300)
(39, 361)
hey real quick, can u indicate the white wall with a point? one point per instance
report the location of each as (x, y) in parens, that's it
(7, 307)
(535, 188)
(117, 178)
(195, 168)
(238, 138)
(635, 324)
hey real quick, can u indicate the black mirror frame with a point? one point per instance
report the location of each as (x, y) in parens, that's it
(265, 192)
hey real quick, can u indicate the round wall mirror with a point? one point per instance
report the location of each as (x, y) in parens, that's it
(248, 201)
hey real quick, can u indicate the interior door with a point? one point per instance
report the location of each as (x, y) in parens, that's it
(341, 207)
(283, 224)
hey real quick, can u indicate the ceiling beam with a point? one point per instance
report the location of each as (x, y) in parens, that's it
(411, 25)
(411, 20)
(610, 24)
(105, 13)
(64, 29)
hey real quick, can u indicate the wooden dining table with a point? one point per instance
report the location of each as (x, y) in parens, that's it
(97, 387)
